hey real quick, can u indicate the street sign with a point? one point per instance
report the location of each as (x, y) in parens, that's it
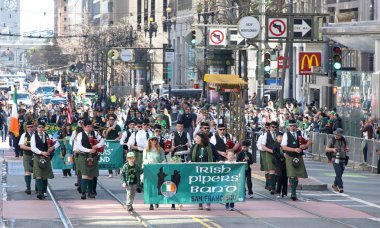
(280, 62)
(88, 68)
(249, 27)
(126, 55)
(307, 60)
(169, 55)
(302, 28)
(217, 37)
(277, 28)
(236, 38)
(273, 87)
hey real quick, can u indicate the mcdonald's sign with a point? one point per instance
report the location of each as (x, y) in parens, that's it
(307, 60)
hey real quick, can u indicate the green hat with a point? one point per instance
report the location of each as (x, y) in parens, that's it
(152, 137)
(332, 113)
(130, 155)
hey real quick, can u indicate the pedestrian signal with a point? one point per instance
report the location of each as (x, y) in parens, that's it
(337, 58)
(267, 67)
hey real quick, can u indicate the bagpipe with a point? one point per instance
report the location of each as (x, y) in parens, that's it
(90, 156)
(230, 144)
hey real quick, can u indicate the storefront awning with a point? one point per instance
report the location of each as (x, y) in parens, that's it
(224, 79)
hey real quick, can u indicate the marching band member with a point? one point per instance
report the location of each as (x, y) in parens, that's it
(28, 155)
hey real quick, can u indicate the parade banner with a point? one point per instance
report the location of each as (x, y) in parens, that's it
(51, 129)
(111, 158)
(193, 183)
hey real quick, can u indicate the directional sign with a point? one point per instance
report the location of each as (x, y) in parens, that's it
(302, 28)
(249, 27)
(217, 37)
(236, 38)
(277, 27)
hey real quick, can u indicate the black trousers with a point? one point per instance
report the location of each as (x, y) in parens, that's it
(282, 178)
(248, 181)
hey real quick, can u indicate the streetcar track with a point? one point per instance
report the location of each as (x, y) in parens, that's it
(136, 215)
(61, 212)
(304, 210)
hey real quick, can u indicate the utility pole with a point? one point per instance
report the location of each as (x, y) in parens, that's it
(291, 51)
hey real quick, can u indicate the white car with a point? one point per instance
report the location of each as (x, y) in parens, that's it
(22, 97)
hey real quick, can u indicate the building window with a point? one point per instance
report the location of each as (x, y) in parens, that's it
(10, 15)
(65, 8)
(110, 7)
(372, 10)
(184, 5)
(139, 13)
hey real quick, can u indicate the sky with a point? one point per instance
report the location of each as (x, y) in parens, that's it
(36, 15)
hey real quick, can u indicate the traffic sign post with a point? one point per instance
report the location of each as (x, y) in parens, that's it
(236, 38)
(302, 28)
(126, 55)
(217, 37)
(277, 28)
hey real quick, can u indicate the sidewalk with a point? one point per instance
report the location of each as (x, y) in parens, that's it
(309, 184)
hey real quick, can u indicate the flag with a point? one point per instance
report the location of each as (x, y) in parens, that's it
(69, 115)
(34, 85)
(59, 86)
(168, 187)
(82, 87)
(14, 124)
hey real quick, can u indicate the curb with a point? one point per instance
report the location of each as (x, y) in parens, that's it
(307, 187)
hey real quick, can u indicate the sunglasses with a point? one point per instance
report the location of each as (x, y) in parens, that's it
(40, 127)
(29, 126)
(273, 127)
(157, 130)
(206, 128)
(153, 139)
(145, 124)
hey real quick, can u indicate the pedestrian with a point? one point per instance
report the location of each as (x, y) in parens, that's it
(295, 166)
(130, 175)
(28, 155)
(153, 153)
(230, 206)
(65, 134)
(279, 161)
(202, 151)
(246, 156)
(338, 148)
(263, 164)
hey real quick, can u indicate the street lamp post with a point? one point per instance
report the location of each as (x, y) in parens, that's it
(150, 28)
(203, 11)
(168, 21)
(131, 37)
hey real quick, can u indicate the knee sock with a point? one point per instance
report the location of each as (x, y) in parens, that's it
(45, 184)
(83, 185)
(40, 185)
(90, 184)
(95, 183)
(269, 180)
(273, 181)
(266, 180)
(293, 185)
(28, 180)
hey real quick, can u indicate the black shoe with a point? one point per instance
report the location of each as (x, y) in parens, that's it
(69, 174)
(156, 205)
(83, 197)
(76, 184)
(294, 198)
(79, 189)
(151, 207)
(28, 192)
(91, 195)
(130, 208)
(173, 206)
(40, 196)
(95, 193)
(341, 190)
(272, 192)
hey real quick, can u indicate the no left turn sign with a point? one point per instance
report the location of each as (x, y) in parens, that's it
(217, 37)
(277, 27)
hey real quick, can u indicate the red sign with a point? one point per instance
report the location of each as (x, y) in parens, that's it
(307, 60)
(280, 62)
(230, 90)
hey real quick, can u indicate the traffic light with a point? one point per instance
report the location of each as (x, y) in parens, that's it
(72, 68)
(337, 58)
(267, 56)
(193, 36)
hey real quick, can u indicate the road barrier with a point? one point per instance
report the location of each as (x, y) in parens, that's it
(359, 148)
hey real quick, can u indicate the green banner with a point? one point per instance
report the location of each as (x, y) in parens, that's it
(112, 157)
(193, 183)
(51, 128)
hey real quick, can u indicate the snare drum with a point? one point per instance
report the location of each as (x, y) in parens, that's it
(182, 154)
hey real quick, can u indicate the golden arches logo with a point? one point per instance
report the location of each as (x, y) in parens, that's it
(309, 59)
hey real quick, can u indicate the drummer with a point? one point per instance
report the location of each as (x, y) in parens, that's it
(180, 139)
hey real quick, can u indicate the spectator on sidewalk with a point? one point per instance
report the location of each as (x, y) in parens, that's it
(338, 148)
(368, 132)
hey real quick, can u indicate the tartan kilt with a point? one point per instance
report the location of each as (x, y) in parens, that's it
(269, 162)
(27, 161)
(87, 171)
(77, 164)
(263, 164)
(46, 173)
(295, 172)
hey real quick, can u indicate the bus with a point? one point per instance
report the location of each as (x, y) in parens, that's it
(184, 93)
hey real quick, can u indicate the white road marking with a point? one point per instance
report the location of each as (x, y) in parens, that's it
(364, 202)
(337, 200)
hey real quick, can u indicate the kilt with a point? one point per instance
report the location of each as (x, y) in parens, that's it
(77, 165)
(263, 164)
(295, 172)
(269, 162)
(46, 173)
(27, 161)
(87, 171)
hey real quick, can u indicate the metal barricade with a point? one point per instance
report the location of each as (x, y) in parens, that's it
(362, 152)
